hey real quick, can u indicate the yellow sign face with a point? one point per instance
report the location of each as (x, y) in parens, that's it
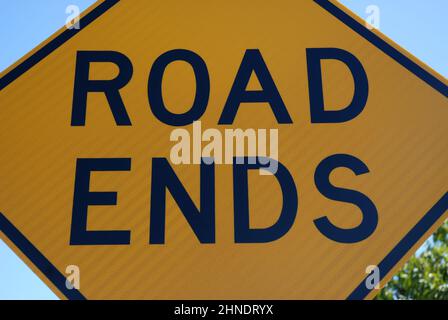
(220, 150)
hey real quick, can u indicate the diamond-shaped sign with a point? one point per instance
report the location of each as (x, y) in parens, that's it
(100, 194)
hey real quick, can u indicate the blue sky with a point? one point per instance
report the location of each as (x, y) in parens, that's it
(418, 25)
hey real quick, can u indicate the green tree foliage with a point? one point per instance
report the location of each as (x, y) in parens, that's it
(424, 276)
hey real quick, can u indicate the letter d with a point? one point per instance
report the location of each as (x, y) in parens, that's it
(317, 107)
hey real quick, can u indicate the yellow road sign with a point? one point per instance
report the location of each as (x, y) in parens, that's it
(122, 176)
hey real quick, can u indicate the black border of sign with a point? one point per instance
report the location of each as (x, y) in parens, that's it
(360, 292)
(384, 46)
(43, 52)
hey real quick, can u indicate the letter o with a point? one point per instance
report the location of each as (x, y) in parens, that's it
(155, 96)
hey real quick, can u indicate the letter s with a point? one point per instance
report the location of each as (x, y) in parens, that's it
(368, 209)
